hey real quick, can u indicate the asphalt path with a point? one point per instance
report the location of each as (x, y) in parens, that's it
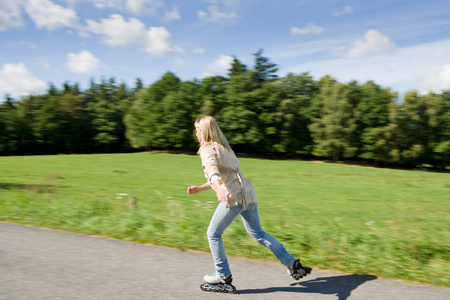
(37, 263)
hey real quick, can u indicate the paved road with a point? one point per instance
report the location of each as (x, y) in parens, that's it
(38, 263)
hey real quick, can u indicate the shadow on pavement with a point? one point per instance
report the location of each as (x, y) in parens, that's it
(341, 286)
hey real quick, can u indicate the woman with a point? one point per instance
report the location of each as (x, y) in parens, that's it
(236, 195)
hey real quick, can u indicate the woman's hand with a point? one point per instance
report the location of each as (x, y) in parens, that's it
(197, 189)
(221, 193)
(193, 190)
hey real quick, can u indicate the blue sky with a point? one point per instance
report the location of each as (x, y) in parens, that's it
(400, 44)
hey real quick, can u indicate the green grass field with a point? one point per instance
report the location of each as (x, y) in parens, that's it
(388, 223)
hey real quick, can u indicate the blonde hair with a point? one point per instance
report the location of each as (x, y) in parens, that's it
(211, 133)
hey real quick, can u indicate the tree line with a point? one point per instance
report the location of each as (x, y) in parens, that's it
(258, 111)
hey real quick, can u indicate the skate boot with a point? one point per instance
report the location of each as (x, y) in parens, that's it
(298, 271)
(216, 283)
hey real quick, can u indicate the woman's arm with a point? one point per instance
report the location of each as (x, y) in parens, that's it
(221, 194)
(197, 189)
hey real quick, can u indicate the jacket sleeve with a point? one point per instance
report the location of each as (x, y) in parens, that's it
(209, 162)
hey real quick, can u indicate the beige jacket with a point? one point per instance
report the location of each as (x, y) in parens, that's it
(217, 161)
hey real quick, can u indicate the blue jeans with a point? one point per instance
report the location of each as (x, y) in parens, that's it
(223, 217)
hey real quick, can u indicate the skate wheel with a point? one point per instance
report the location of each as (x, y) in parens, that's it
(232, 290)
(207, 287)
(219, 288)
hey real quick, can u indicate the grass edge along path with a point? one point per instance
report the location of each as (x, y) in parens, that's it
(388, 223)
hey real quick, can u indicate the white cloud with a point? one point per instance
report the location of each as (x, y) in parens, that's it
(158, 42)
(139, 6)
(132, 6)
(423, 66)
(42, 63)
(135, 6)
(345, 10)
(173, 14)
(219, 66)
(118, 32)
(10, 14)
(180, 61)
(215, 15)
(202, 15)
(316, 47)
(17, 81)
(310, 28)
(22, 43)
(102, 4)
(437, 81)
(373, 42)
(206, 74)
(49, 15)
(198, 50)
(83, 63)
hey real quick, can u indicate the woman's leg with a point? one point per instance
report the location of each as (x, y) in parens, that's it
(222, 218)
(253, 225)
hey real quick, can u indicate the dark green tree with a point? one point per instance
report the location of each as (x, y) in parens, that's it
(176, 128)
(441, 150)
(77, 138)
(370, 107)
(264, 70)
(139, 85)
(50, 125)
(237, 68)
(106, 115)
(145, 116)
(212, 95)
(10, 123)
(415, 131)
(294, 113)
(332, 130)
(238, 117)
